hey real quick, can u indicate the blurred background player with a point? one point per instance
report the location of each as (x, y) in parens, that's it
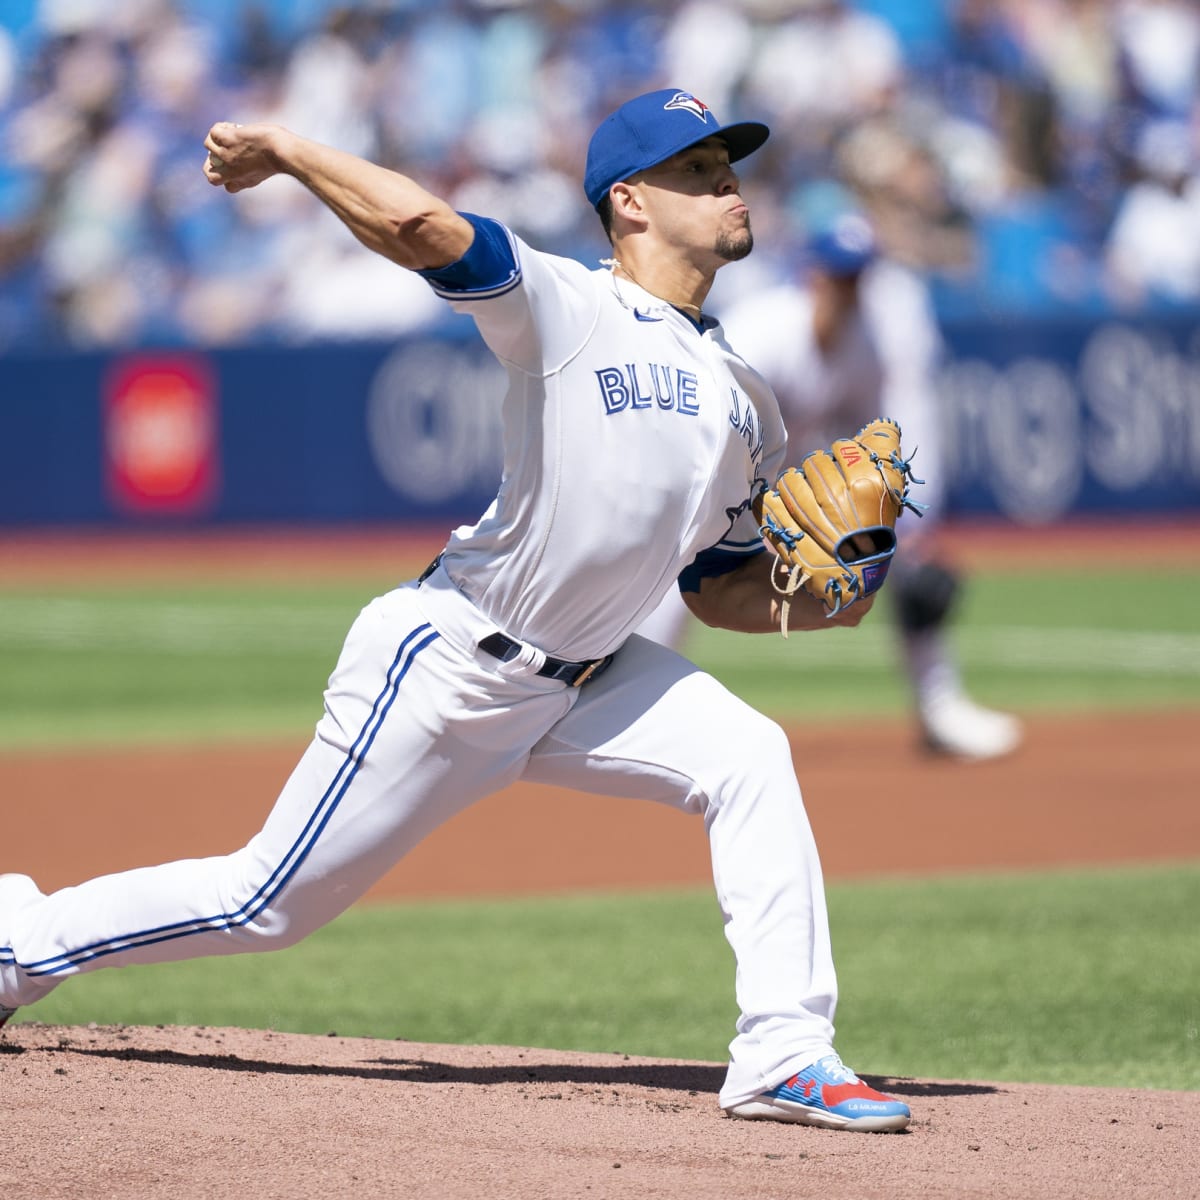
(854, 338)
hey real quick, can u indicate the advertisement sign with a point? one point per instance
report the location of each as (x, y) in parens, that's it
(1049, 420)
(160, 435)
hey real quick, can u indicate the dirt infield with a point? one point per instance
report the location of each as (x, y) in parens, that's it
(1063, 799)
(170, 1112)
(216, 1113)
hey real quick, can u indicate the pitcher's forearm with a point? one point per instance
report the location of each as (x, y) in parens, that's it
(746, 601)
(388, 212)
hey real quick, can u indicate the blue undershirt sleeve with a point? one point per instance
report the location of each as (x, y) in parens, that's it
(489, 266)
(710, 563)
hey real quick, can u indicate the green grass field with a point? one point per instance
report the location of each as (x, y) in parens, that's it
(1084, 978)
(118, 664)
(1057, 977)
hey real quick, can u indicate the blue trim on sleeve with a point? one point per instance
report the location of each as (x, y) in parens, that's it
(489, 267)
(710, 563)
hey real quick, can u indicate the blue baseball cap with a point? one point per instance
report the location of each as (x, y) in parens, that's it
(844, 247)
(649, 129)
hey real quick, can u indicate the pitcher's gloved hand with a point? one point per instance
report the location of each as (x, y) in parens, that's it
(831, 520)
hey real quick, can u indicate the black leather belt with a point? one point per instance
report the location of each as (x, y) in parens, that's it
(573, 674)
(501, 646)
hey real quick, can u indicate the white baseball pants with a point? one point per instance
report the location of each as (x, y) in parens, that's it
(419, 724)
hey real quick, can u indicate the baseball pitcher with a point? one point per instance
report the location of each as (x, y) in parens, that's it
(638, 448)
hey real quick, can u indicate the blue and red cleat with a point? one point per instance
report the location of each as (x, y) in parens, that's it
(828, 1094)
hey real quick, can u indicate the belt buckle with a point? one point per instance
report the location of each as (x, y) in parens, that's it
(587, 672)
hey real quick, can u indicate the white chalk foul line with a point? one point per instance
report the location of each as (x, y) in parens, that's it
(1019, 648)
(178, 627)
(185, 627)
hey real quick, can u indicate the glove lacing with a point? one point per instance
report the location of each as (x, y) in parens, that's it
(903, 467)
(795, 578)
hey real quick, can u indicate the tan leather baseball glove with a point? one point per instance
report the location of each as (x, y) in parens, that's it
(831, 520)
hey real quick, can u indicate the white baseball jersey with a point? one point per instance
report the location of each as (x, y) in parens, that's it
(605, 377)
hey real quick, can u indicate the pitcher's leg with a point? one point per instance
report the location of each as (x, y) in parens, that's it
(366, 791)
(281, 886)
(655, 727)
(771, 890)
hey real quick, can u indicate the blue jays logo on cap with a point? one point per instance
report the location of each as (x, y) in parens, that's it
(688, 103)
(651, 128)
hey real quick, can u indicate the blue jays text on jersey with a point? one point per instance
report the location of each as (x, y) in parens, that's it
(745, 420)
(669, 387)
(643, 385)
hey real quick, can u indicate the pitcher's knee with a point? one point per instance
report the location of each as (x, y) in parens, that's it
(277, 924)
(267, 913)
(773, 742)
(759, 757)
(767, 744)
(271, 931)
(258, 923)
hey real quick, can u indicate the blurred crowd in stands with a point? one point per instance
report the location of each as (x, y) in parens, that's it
(1025, 155)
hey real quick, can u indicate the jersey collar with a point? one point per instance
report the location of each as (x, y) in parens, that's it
(645, 306)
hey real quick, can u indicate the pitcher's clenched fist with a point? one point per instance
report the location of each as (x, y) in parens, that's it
(240, 156)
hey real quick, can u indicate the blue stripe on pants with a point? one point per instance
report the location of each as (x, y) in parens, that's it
(320, 817)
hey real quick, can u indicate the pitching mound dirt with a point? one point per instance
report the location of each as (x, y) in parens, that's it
(184, 1112)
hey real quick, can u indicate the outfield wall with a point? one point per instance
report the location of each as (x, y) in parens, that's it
(1051, 420)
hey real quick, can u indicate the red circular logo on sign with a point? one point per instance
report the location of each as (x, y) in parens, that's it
(160, 423)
